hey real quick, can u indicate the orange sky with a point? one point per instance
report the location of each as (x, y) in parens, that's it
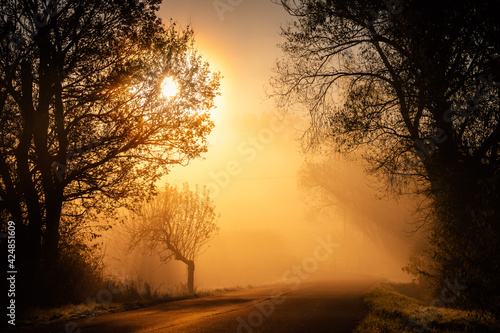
(253, 159)
(243, 167)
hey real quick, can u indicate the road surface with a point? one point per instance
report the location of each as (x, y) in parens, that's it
(334, 306)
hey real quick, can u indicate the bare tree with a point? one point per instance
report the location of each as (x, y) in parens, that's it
(338, 192)
(372, 77)
(414, 86)
(175, 225)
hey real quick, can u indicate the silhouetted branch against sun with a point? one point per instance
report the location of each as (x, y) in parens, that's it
(99, 99)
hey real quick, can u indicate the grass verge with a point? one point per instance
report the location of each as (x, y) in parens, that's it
(35, 317)
(392, 311)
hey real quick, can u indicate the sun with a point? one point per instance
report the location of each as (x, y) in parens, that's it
(169, 88)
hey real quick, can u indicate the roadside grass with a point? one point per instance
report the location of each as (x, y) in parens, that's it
(43, 316)
(392, 311)
(134, 294)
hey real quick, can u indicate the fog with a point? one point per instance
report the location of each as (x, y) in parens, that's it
(275, 211)
(271, 219)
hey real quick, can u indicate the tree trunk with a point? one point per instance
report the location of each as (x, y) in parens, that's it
(190, 284)
(51, 254)
(465, 233)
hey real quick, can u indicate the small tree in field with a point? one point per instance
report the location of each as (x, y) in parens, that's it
(175, 225)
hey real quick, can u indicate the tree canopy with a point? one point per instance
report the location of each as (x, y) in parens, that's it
(84, 126)
(398, 78)
(413, 85)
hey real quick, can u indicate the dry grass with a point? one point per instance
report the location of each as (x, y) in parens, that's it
(391, 311)
(134, 294)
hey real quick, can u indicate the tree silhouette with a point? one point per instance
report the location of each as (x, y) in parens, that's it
(414, 86)
(336, 190)
(84, 126)
(175, 225)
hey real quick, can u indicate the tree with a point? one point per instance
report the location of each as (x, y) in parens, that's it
(337, 191)
(418, 93)
(175, 225)
(84, 126)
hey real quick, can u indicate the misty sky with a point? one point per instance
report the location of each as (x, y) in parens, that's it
(253, 159)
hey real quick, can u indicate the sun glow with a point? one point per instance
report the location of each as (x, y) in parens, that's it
(169, 88)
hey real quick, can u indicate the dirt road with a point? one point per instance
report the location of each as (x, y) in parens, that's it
(333, 306)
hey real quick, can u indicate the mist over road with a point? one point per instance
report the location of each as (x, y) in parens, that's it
(315, 306)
